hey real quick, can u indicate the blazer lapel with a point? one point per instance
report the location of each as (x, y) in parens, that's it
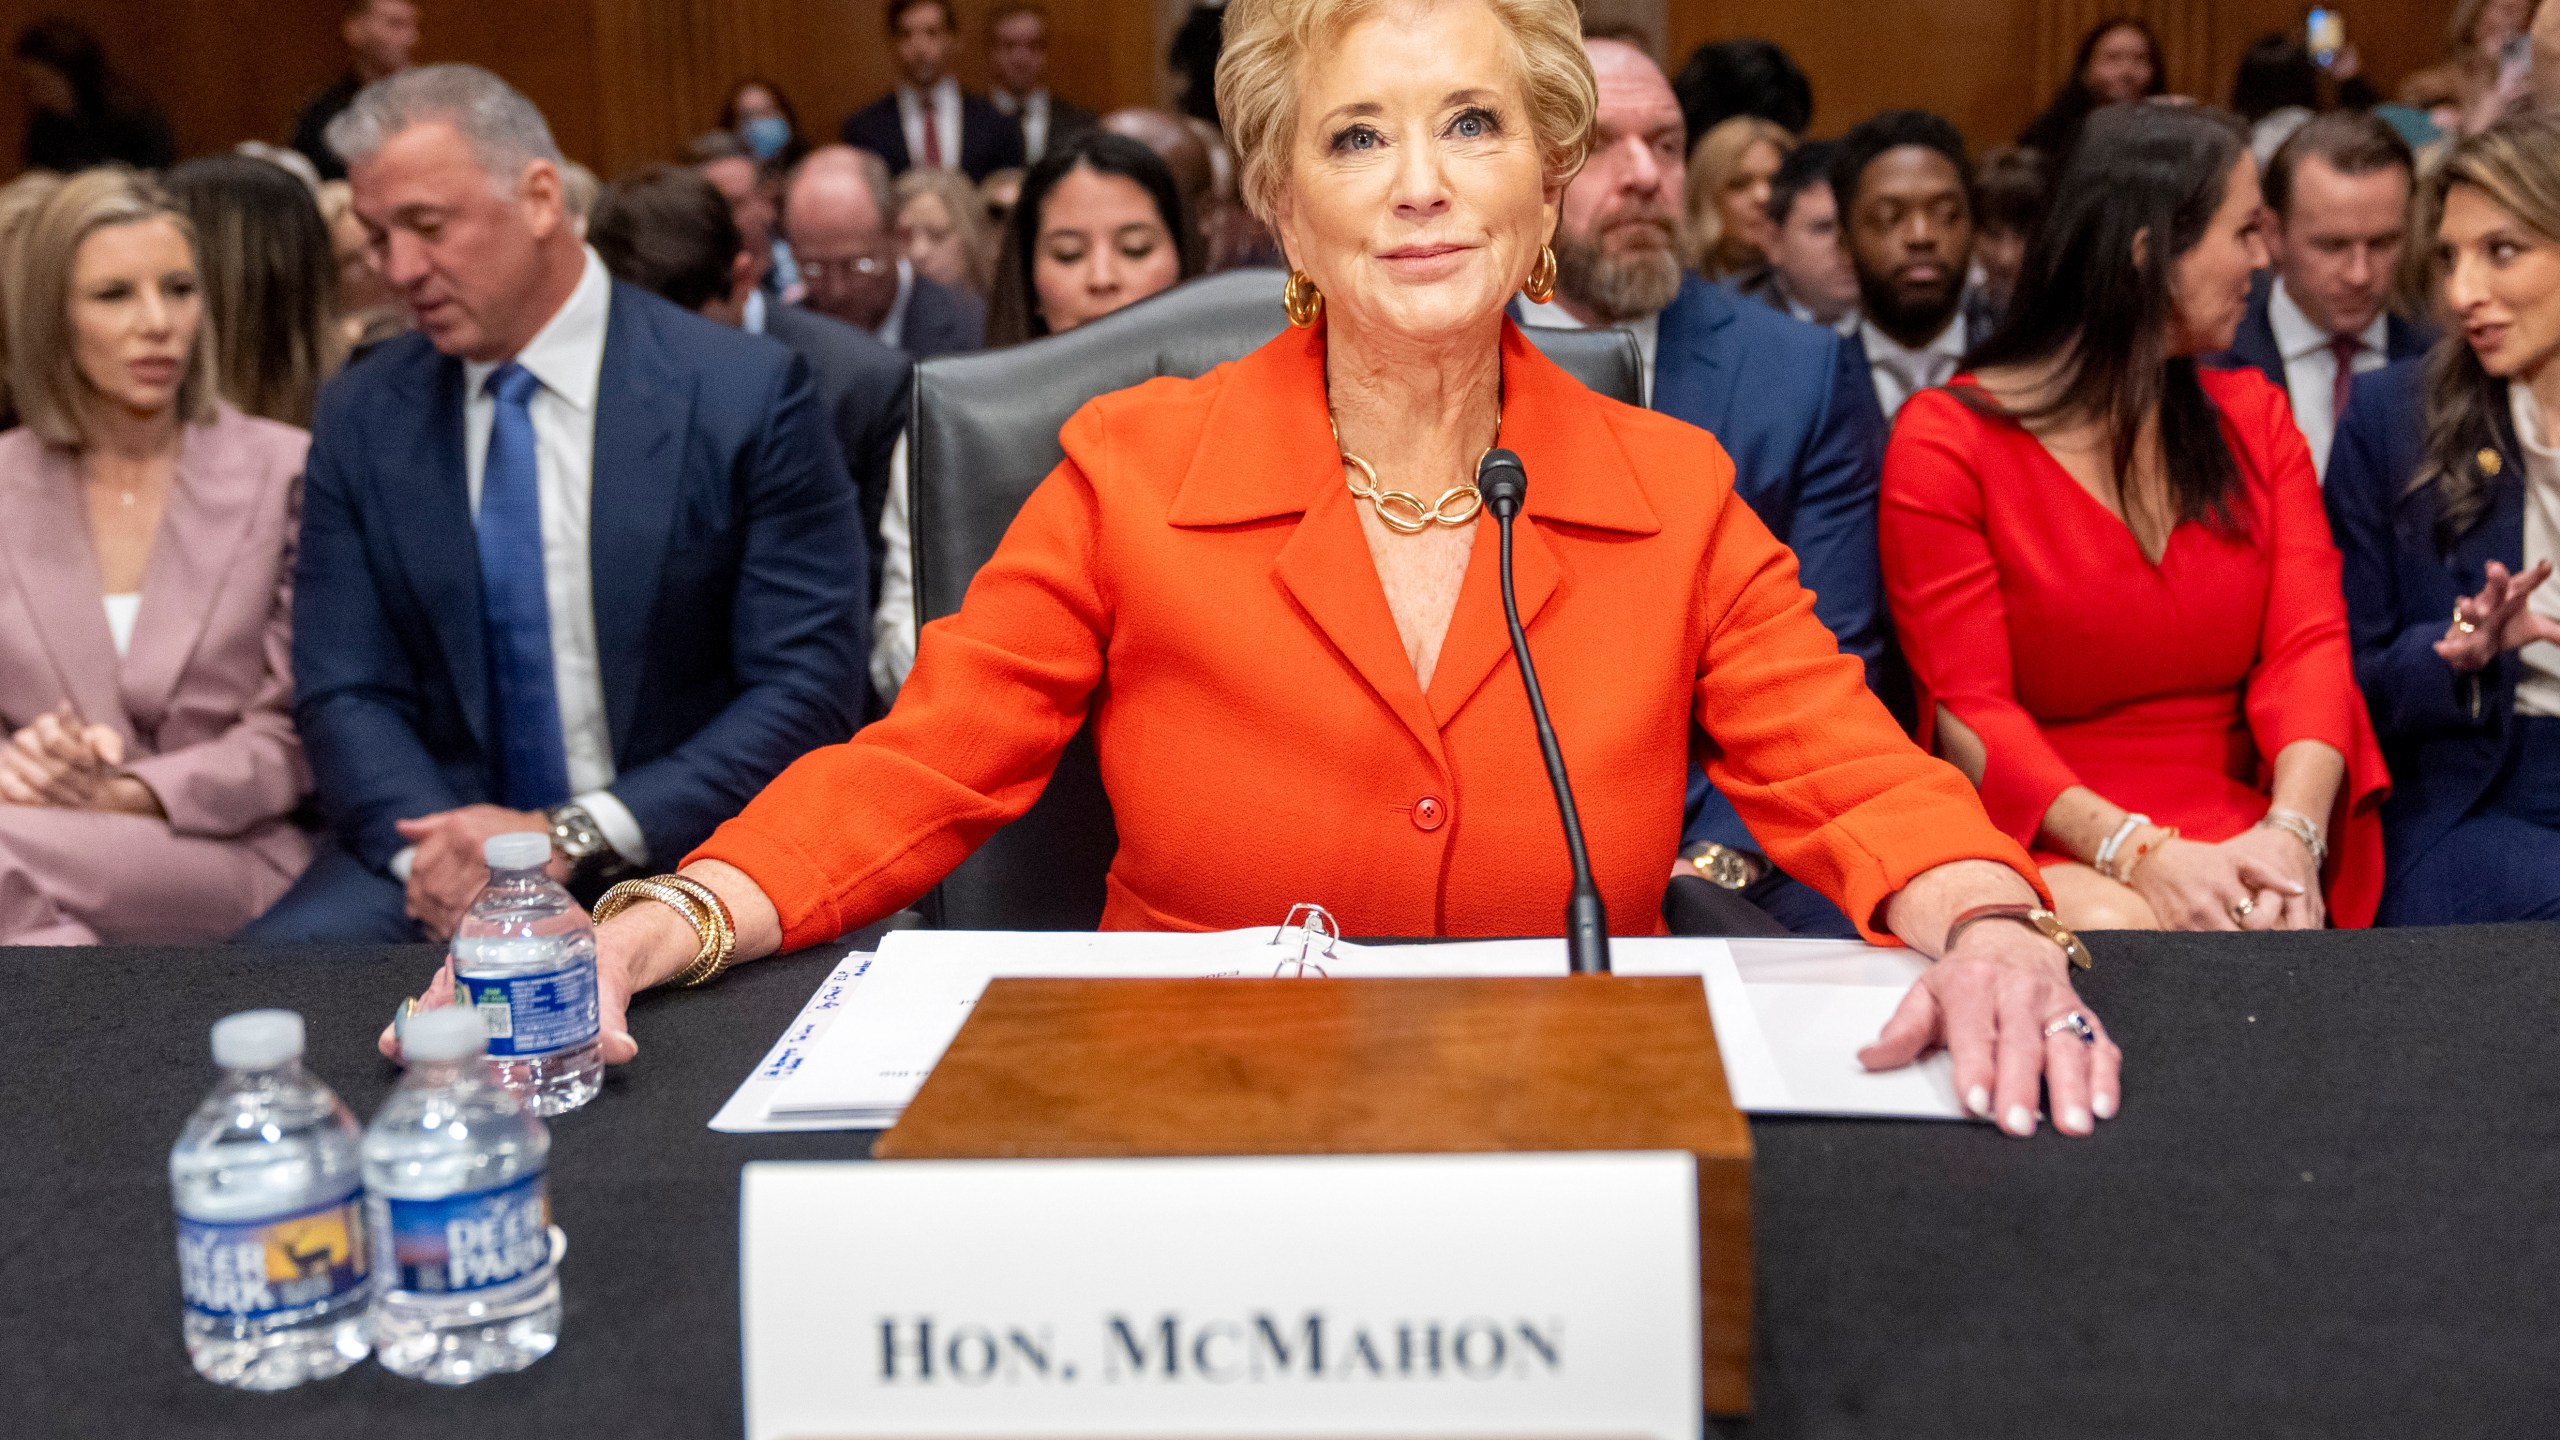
(637, 485)
(191, 558)
(57, 575)
(1691, 376)
(427, 502)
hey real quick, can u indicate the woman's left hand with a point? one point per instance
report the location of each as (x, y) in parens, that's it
(1988, 1003)
(56, 760)
(2284, 887)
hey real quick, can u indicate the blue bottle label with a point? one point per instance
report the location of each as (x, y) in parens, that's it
(533, 1014)
(250, 1269)
(461, 1243)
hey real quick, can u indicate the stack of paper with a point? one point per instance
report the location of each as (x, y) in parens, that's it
(1790, 1015)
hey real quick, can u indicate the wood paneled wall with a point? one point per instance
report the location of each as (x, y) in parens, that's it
(629, 80)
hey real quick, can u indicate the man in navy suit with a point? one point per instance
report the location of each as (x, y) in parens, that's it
(2339, 190)
(572, 559)
(837, 216)
(929, 119)
(1789, 401)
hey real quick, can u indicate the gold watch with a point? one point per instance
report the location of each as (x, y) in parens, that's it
(2044, 922)
(1724, 867)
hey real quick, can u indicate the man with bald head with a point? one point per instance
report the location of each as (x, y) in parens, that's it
(1806, 438)
(841, 224)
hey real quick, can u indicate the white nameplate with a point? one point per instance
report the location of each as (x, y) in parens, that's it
(1479, 1295)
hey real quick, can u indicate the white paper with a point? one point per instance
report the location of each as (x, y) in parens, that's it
(1445, 1297)
(1790, 1015)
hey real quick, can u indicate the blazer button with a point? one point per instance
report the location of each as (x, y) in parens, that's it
(1429, 813)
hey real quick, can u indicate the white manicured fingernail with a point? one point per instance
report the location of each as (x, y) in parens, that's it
(2022, 1121)
(1978, 1100)
(2104, 1104)
(2076, 1120)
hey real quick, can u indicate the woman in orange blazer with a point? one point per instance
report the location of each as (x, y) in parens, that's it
(1295, 699)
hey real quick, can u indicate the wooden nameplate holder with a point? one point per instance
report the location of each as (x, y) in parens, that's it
(1060, 1068)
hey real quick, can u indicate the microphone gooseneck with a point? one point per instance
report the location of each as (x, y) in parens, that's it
(1505, 488)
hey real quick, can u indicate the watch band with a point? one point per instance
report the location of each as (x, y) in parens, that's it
(1724, 867)
(2035, 917)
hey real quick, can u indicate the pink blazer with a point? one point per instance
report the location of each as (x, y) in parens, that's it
(204, 695)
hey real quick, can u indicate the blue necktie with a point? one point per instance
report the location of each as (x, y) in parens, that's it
(515, 608)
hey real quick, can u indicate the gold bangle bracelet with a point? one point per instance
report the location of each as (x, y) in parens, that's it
(716, 939)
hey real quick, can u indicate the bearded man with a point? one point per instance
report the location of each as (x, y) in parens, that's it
(1790, 402)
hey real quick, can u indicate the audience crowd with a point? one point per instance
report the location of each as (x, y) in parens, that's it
(2187, 475)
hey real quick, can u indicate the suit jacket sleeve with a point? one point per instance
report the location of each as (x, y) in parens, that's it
(1943, 584)
(1809, 756)
(798, 630)
(2303, 687)
(1833, 534)
(854, 831)
(356, 692)
(253, 772)
(2409, 689)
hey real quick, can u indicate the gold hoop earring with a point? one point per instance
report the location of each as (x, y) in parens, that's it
(1301, 299)
(1541, 285)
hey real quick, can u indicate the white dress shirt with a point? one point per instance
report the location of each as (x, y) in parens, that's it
(2311, 369)
(945, 99)
(2538, 689)
(1647, 330)
(1901, 373)
(567, 356)
(1032, 111)
(893, 624)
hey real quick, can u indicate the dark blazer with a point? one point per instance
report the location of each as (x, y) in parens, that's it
(1067, 119)
(862, 388)
(942, 321)
(2255, 346)
(989, 138)
(1792, 404)
(729, 582)
(2447, 738)
(311, 126)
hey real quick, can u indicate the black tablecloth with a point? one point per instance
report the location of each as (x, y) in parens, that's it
(2328, 1209)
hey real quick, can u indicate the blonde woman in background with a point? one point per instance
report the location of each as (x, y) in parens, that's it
(943, 231)
(367, 313)
(1729, 174)
(151, 773)
(270, 282)
(20, 199)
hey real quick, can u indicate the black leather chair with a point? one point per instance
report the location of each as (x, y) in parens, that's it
(983, 435)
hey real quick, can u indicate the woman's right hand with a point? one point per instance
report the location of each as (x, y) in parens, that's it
(2498, 619)
(2194, 886)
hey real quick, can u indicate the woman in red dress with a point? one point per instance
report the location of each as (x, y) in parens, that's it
(2113, 577)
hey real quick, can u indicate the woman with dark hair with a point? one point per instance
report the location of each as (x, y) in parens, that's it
(2112, 576)
(2445, 491)
(84, 113)
(2118, 61)
(760, 115)
(271, 282)
(1098, 224)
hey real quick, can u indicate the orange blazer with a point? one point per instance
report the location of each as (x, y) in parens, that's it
(1193, 576)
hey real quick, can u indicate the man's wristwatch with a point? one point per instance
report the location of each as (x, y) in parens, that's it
(1724, 867)
(2044, 922)
(575, 834)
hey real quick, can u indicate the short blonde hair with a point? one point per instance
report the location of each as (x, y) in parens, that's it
(1268, 42)
(44, 367)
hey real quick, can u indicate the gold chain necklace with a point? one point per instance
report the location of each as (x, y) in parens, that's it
(1403, 511)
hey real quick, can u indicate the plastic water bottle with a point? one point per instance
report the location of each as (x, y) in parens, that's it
(272, 1258)
(524, 956)
(461, 1222)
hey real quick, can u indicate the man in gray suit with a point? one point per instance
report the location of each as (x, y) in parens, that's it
(837, 214)
(671, 232)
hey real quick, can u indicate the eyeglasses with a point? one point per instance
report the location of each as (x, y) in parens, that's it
(867, 266)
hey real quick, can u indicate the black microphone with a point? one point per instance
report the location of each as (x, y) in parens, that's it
(1505, 487)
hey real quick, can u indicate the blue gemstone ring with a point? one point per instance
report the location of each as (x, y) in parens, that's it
(2078, 1024)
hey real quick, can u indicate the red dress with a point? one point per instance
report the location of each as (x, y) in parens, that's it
(2029, 611)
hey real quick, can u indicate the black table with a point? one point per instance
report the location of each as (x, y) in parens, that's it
(2328, 1209)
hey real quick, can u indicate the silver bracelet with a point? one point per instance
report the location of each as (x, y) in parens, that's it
(2301, 827)
(2108, 847)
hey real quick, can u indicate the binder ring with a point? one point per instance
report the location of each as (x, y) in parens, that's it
(1318, 922)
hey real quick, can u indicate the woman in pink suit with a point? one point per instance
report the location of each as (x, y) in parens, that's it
(151, 771)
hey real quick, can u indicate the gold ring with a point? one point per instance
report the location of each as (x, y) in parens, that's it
(2460, 624)
(2245, 908)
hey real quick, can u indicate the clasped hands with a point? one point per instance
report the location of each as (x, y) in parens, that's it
(446, 866)
(2260, 879)
(63, 762)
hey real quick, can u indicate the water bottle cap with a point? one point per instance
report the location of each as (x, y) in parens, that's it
(257, 1039)
(530, 850)
(453, 1032)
